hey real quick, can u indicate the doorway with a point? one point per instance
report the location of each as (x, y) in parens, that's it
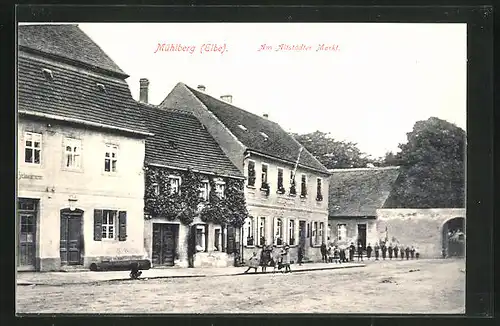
(453, 237)
(71, 243)
(362, 235)
(165, 238)
(26, 230)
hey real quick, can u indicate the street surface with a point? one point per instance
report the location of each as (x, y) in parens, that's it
(414, 286)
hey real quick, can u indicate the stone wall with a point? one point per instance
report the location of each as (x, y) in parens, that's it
(421, 228)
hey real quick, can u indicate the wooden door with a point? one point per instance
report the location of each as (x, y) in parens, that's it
(362, 235)
(71, 242)
(164, 243)
(27, 243)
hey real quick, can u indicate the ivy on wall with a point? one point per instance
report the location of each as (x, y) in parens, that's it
(160, 201)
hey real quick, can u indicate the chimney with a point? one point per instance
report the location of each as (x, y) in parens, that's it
(265, 115)
(143, 90)
(201, 88)
(227, 98)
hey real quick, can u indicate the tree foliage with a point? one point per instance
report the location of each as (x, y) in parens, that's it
(432, 166)
(333, 153)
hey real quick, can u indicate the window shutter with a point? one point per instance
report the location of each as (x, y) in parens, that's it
(311, 238)
(223, 239)
(275, 229)
(192, 240)
(206, 237)
(97, 224)
(122, 224)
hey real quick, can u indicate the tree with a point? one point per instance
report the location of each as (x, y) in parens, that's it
(333, 153)
(432, 166)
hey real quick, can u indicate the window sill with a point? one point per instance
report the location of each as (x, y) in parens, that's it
(292, 195)
(250, 246)
(77, 170)
(303, 197)
(250, 187)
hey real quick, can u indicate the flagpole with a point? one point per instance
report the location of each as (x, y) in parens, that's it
(292, 181)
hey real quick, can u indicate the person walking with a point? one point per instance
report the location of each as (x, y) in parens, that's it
(336, 255)
(407, 253)
(342, 254)
(377, 251)
(351, 251)
(285, 259)
(368, 251)
(360, 251)
(412, 252)
(323, 253)
(389, 250)
(402, 251)
(300, 254)
(384, 251)
(396, 251)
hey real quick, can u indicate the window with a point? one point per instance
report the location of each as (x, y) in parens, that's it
(249, 232)
(32, 147)
(156, 189)
(101, 88)
(291, 232)
(264, 185)
(303, 186)
(220, 188)
(262, 231)
(48, 74)
(218, 239)
(293, 190)
(278, 231)
(341, 232)
(72, 153)
(251, 173)
(266, 137)
(204, 190)
(281, 189)
(242, 127)
(110, 158)
(319, 195)
(314, 235)
(110, 224)
(201, 238)
(175, 183)
(321, 231)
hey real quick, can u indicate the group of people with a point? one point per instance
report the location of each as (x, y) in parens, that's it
(341, 254)
(268, 258)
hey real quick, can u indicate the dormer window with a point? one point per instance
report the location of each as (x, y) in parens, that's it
(242, 127)
(48, 74)
(101, 88)
(266, 137)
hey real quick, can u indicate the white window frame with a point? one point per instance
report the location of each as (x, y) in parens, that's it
(76, 158)
(314, 232)
(249, 230)
(205, 190)
(201, 227)
(321, 232)
(111, 149)
(341, 231)
(278, 231)
(262, 174)
(177, 188)
(261, 224)
(221, 245)
(254, 170)
(305, 186)
(291, 232)
(33, 137)
(220, 188)
(105, 233)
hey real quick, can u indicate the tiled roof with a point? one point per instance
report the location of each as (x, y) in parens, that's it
(278, 142)
(73, 94)
(67, 42)
(360, 192)
(181, 141)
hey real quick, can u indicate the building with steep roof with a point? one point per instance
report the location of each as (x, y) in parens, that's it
(81, 147)
(285, 208)
(181, 143)
(355, 196)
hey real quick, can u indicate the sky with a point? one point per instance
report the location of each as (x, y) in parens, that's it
(371, 89)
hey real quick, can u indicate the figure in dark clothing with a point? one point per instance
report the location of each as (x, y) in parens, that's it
(369, 251)
(324, 257)
(407, 253)
(396, 251)
(389, 250)
(343, 257)
(377, 251)
(360, 252)
(351, 251)
(402, 252)
(412, 252)
(384, 251)
(300, 254)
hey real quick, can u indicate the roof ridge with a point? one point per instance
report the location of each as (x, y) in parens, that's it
(377, 168)
(160, 108)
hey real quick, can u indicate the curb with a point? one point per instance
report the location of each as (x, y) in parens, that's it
(24, 283)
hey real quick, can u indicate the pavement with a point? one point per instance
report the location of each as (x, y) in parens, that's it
(83, 277)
